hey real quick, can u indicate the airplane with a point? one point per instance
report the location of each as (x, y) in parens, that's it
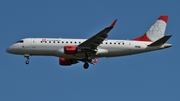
(72, 51)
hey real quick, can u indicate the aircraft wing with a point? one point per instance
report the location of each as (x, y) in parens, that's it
(96, 40)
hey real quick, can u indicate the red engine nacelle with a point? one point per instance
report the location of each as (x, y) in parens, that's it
(70, 49)
(65, 61)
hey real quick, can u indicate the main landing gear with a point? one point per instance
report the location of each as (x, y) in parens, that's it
(27, 57)
(88, 56)
(88, 59)
(86, 65)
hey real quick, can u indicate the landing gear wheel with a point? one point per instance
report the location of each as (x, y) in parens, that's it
(27, 57)
(27, 62)
(86, 65)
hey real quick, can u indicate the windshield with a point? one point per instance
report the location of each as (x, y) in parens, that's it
(21, 41)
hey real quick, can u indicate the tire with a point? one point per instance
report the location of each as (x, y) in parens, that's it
(27, 62)
(86, 65)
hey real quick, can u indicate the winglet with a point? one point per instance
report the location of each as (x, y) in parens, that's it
(112, 25)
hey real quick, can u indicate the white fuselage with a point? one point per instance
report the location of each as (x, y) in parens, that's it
(55, 47)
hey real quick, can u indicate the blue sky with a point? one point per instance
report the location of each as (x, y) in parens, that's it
(153, 76)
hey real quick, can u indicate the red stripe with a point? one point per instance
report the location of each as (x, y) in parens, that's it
(163, 18)
(142, 38)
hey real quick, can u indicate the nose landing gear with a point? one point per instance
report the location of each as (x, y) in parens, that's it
(27, 62)
(27, 57)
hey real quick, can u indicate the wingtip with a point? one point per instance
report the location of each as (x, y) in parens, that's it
(163, 18)
(112, 25)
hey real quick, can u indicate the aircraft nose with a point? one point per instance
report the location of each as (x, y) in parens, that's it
(8, 50)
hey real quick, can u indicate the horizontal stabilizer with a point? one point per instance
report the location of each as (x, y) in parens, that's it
(161, 41)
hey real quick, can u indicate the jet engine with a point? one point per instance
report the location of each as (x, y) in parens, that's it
(70, 49)
(67, 62)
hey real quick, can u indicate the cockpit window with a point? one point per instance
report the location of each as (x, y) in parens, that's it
(21, 41)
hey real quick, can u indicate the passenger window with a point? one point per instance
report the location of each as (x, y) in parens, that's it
(54, 41)
(49, 41)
